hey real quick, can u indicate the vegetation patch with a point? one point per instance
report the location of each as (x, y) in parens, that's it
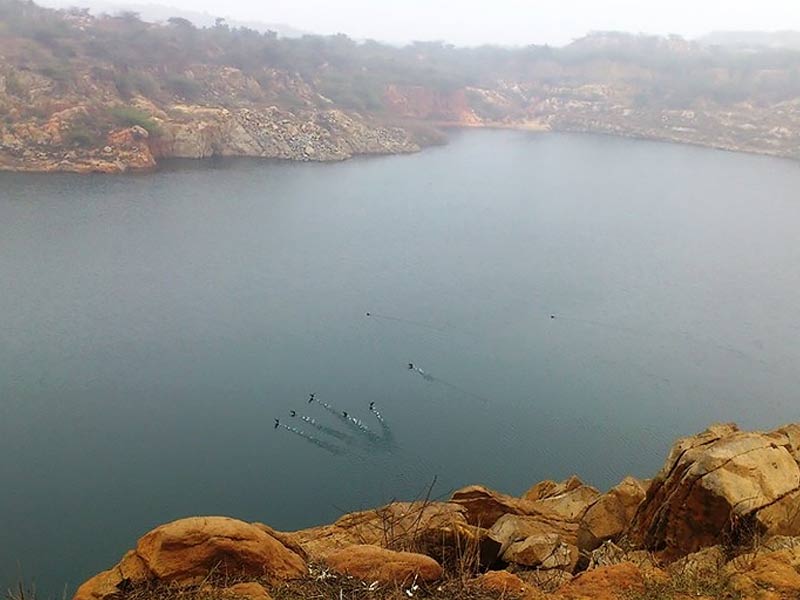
(129, 116)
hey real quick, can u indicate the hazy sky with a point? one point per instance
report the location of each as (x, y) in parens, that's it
(510, 22)
(507, 21)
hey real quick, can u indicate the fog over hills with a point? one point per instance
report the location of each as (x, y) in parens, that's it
(160, 13)
(754, 39)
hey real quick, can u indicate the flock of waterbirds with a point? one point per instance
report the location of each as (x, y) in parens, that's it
(355, 433)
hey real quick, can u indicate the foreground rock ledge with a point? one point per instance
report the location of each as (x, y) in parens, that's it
(718, 493)
(184, 552)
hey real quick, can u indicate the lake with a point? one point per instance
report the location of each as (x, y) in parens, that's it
(571, 304)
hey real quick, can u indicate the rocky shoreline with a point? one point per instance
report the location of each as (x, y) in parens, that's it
(720, 520)
(197, 132)
(322, 136)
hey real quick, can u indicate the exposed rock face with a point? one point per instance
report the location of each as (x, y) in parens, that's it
(721, 485)
(42, 149)
(509, 529)
(570, 505)
(185, 551)
(484, 506)
(611, 514)
(539, 530)
(373, 563)
(418, 102)
(559, 502)
(202, 132)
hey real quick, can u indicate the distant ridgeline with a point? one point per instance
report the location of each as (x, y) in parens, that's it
(111, 93)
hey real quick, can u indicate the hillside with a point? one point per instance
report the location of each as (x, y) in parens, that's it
(114, 93)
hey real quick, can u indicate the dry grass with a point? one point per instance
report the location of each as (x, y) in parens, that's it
(321, 584)
(682, 588)
(329, 586)
(709, 582)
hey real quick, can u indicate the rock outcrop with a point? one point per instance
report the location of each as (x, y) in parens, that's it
(608, 517)
(539, 530)
(184, 552)
(204, 132)
(721, 486)
(373, 563)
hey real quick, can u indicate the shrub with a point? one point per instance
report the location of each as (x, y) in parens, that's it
(14, 86)
(129, 116)
(60, 73)
(184, 86)
(136, 81)
(80, 135)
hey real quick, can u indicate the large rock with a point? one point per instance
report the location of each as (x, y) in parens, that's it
(567, 501)
(514, 528)
(484, 506)
(373, 563)
(546, 551)
(611, 514)
(720, 486)
(186, 551)
(540, 531)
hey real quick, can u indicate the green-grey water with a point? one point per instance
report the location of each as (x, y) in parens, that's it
(153, 326)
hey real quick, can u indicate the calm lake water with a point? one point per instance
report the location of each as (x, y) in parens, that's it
(152, 327)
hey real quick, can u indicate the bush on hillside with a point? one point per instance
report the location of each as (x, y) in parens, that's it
(183, 86)
(129, 116)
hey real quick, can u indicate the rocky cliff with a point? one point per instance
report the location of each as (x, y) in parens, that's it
(191, 131)
(720, 520)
